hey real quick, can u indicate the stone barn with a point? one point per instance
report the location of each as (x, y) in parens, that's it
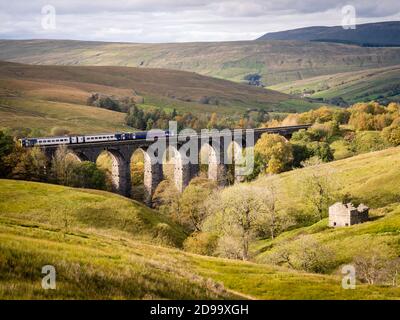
(346, 214)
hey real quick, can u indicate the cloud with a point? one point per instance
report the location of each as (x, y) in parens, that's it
(179, 20)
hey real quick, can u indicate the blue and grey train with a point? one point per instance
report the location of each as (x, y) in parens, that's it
(49, 141)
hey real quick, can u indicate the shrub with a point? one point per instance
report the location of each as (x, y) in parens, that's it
(87, 175)
(203, 243)
(392, 134)
(367, 141)
(305, 253)
(59, 131)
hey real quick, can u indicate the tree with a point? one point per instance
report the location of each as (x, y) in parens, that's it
(87, 175)
(166, 199)
(371, 264)
(271, 221)
(28, 164)
(275, 152)
(192, 211)
(392, 134)
(322, 150)
(62, 166)
(238, 214)
(150, 124)
(7, 146)
(212, 124)
(203, 243)
(305, 253)
(318, 189)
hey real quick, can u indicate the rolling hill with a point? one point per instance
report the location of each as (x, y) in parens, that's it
(275, 60)
(104, 247)
(370, 178)
(368, 34)
(43, 97)
(382, 84)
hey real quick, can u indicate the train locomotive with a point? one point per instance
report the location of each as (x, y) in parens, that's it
(49, 141)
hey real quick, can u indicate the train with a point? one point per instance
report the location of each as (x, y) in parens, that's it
(124, 136)
(77, 139)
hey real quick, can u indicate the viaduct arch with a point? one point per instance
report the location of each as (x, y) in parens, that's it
(221, 153)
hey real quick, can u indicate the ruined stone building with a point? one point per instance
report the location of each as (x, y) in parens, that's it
(346, 214)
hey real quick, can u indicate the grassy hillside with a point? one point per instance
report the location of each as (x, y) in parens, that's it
(276, 61)
(37, 117)
(75, 210)
(371, 178)
(105, 253)
(373, 84)
(382, 233)
(43, 97)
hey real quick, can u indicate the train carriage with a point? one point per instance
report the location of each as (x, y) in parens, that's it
(92, 138)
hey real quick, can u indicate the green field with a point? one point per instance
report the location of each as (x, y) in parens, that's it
(105, 246)
(372, 178)
(353, 87)
(37, 117)
(276, 61)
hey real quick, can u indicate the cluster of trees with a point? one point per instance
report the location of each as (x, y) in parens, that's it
(364, 127)
(307, 254)
(32, 165)
(224, 221)
(110, 102)
(274, 154)
(146, 119)
(374, 267)
(360, 116)
(373, 116)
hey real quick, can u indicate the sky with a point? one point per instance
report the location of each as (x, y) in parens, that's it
(160, 21)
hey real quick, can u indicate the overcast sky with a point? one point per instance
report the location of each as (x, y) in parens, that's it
(177, 20)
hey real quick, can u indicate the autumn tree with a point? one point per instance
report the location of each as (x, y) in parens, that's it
(318, 188)
(391, 134)
(62, 165)
(86, 174)
(192, 210)
(272, 220)
(212, 123)
(7, 146)
(305, 253)
(238, 214)
(166, 199)
(275, 153)
(378, 265)
(27, 164)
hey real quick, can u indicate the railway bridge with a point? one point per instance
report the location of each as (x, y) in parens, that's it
(224, 148)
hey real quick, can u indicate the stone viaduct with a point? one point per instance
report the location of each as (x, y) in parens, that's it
(219, 155)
